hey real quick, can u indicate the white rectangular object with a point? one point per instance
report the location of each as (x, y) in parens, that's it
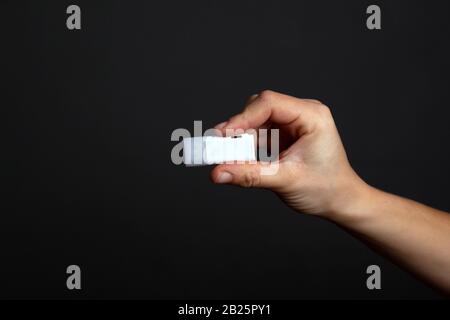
(200, 151)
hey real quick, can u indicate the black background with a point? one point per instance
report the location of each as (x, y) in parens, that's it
(86, 116)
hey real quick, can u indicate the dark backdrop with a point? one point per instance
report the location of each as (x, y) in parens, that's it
(86, 116)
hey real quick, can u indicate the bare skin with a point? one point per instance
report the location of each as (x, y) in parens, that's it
(315, 177)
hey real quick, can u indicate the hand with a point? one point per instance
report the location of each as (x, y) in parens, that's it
(314, 175)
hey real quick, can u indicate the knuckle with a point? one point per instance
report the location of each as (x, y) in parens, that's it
(324, 117)
(251, 179)
(317, 101)
(324, 111)
(313, 101)
(267, 95)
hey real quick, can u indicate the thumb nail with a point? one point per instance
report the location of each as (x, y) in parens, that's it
(224, 177)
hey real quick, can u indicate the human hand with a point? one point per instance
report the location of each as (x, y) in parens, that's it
(314, 175)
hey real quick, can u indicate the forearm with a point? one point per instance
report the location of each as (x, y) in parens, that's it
(415, 236)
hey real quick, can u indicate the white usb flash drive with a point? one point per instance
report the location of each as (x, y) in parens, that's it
(200, 151)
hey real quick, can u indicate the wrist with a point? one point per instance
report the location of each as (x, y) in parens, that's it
(353, 203)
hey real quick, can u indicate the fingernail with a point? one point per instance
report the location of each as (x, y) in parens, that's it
(221, 125)
(224, 177)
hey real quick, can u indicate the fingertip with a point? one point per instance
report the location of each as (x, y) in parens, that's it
(235, 123)
(252, 98)
(221, 125)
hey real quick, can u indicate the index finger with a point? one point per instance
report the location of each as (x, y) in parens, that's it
(271, 107)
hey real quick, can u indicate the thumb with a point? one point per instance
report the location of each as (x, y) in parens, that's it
(248, 175)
